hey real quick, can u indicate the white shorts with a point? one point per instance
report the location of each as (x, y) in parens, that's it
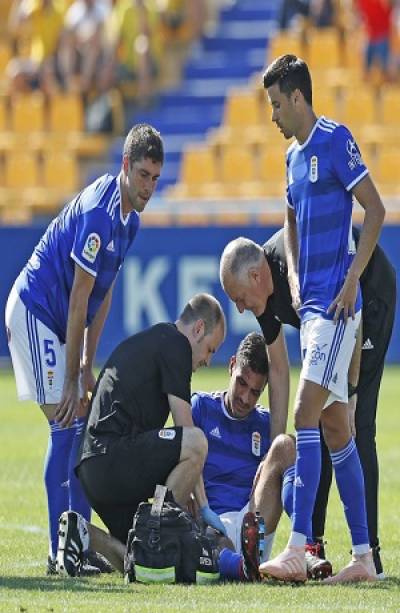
(232, 521)
(37, 355)
(327, 349)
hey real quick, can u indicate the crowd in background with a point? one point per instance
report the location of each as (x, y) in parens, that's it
(379, 20)
(89, 46)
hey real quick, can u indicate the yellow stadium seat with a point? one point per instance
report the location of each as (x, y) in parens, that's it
(238, 164)
(198, 165)
(3, 115)
(5, 57)
(324, 49)
(283, 43)
(359, 107)
(242, 108)
(66, 113)
(390, 114)
(387, 171)
(60, 172)
(21, 170)
(272, 165)
(28, 113)
(324, 103)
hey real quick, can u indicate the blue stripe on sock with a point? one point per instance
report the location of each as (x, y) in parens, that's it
(350, 483)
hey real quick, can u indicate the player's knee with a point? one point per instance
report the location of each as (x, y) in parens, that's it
(283, 449)
(194, 443)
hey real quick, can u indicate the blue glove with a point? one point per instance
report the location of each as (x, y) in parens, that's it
(212, 519)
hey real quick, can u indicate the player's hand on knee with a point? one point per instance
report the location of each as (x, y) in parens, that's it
(69, 406)
(212, 519)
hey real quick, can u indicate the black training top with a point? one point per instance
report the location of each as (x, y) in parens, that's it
(377, 281)
(131, 393)
(279, 308)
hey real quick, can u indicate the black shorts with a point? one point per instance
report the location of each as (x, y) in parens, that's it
(116, 482)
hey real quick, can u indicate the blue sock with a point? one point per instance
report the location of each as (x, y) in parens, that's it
(308, 470)
(230, 564)
(350, 483)
(56, 477)
(287, 495)
(287, 490)
(77, 499)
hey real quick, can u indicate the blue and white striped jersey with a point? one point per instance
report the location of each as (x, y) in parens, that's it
(320, 176)
(91, 232)
(235, 449)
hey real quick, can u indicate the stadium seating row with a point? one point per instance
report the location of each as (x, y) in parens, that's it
(237, 171)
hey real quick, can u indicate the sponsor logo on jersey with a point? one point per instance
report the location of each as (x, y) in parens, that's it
(298, 482)
(256, 444)
(91, 247)
(313, 169)
(335, 378)
(215, 432)
(368, 344)
(110, 246)
(354, 154)
(167, 434)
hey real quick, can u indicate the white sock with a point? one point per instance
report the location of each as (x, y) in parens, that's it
(297, 539)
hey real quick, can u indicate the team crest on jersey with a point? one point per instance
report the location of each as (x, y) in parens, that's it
(313, 169)
(354, 154)
(167, 434)
(92, 247)
(256, 444)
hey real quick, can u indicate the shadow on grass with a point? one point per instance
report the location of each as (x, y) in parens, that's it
(48, 584)
(390, 583)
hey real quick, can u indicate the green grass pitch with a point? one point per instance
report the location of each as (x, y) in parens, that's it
(23, 542)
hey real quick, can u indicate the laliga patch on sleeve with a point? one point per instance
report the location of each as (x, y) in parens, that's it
(91, 247)
(167, 434)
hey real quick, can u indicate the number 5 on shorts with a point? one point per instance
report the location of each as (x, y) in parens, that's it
(49, 351)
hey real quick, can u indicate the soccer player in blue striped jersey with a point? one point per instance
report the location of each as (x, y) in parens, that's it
(324, 170)
(243, 472)
(58, 304)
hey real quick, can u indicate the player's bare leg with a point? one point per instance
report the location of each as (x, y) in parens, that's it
(185, 475)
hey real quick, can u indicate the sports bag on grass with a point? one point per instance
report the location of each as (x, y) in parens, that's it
(165, 545)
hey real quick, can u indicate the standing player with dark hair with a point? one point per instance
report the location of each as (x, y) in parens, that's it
(56, 310)
(255, 278)
(126, 449)
(324, 171)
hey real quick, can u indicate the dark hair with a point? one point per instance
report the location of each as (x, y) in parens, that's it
(143, 141)
(205, 307)
(252, 353)
(291, 73)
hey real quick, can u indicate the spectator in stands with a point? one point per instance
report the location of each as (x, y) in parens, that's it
(323, 13)
(290, 9)
(180, 23)
(377, 18)
(42, 20)
(82, 44)
(131, 48)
